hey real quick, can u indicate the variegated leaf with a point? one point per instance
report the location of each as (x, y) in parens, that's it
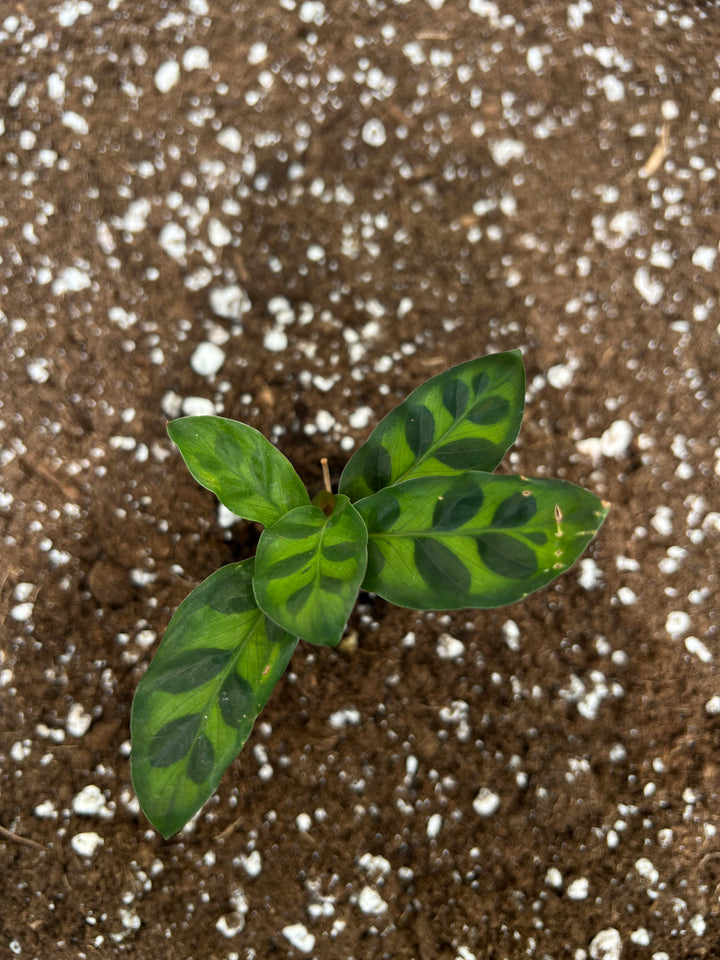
(195, 706)
(474, 540)
(244, 470)
(463, 419)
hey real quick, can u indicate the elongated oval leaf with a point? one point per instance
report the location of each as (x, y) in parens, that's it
(195, 706)
(474, 540)
(244, 470)
(308, 570)
(463, 419)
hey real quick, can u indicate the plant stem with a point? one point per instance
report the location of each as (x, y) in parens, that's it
(326, 474)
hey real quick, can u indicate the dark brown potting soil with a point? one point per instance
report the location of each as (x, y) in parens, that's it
(422, 182)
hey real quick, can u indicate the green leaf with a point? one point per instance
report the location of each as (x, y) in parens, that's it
(463, 419)
(196, 704)
(244, 470)
(475, 539)
(309, 567)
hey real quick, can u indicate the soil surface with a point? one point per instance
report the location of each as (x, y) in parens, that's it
(346, 198)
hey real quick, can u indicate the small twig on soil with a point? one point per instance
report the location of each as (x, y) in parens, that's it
(228, 831)
(37, 466)
(708, 858)
(4, 580)
(24, 840)
(659, 153)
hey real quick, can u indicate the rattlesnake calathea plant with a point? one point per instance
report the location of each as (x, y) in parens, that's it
(419, 519)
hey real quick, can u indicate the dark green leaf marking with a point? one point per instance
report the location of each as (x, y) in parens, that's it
(536, 537)
(449, 514)
(236, 699)
(383, 513)
(375, 564)
(507, 556)
(296, 526)
(338, 552)
(333, 585)
(297, 601)
(235, 603)
(439, 567)
(518, 509)
(374, 466)
(419, 429)
(381, 473)
(489, 410)
(456, 397)
(481, 380)
(201, 759)
(194, 668)
(293, 564)
(172, 741)
(465, 453)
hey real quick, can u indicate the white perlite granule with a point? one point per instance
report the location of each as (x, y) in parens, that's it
(91, 802)
(173, 240)
(85, 844)
(229, 302)
(677, 624)
(78, 721)
(503, 151)
(578, 889)
(486, 803)
(449, 647)
(373, 133)
(606, 945)
(299, 937)
(207, 358)
(167, 75)
(371, 903)
(196, 58)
